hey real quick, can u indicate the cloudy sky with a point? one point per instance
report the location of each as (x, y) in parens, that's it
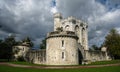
(34, 18)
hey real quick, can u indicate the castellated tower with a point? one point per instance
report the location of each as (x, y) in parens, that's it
(63, 43)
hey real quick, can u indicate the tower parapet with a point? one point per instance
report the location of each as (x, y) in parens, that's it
(62, 34)
(58, 15)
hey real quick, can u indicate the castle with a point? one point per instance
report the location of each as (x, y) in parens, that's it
(66, 45)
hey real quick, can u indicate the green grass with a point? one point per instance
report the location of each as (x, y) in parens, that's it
(105, 62)
(25, 63)
(3, 60)
(18, 69)
(4, 68)
(93, 63)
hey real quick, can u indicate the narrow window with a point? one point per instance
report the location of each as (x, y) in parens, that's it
(62, 55)
(47, 45)
(62, 43)
(23, 49)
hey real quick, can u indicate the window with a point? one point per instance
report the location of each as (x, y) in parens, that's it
(63, 55)
(74, 21)
(23, 49)
(77, 30)
(67, 28)
(62, 43)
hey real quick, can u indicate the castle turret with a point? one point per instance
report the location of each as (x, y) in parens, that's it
(84, 36)
(62, 48)
(57, 21)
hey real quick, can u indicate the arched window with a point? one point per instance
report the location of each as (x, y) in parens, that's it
(77, 30)
(83, 35)
(67, 28)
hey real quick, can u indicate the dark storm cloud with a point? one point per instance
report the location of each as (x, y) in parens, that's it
(25, 18)
(96, 13)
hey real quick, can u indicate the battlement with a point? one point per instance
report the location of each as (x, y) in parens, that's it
(58, 15)
(62, 34)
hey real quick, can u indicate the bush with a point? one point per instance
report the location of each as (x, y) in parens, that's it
(21, 58)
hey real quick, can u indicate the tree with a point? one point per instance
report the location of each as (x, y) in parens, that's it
(94, 47)
(28, 41)
(6, 47)
(43, 44)
(112, 42)
(1, 41)
(1, 49)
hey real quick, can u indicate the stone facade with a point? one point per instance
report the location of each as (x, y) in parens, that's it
(36, 56)
(20, 51)
(74, 25)
(62, 48)
(67, 45)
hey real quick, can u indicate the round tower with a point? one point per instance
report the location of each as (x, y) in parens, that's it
(62, 48)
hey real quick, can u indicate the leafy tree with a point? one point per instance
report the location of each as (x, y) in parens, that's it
(94, 47)
(6, 47)
(7, 44)
(112, 42)
(43, 44)
(1, 41)
(28, 41)
(1, 49)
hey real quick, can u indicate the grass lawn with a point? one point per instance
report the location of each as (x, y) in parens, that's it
(105, 62)
(18, 69)
(4, 68)
(25, 63)
(93, 63)
(3, 60)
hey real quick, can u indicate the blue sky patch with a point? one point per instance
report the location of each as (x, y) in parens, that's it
(53, 4)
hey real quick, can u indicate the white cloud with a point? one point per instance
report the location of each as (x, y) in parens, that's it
(54, 9)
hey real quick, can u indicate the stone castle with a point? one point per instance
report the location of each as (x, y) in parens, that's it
(66, 45)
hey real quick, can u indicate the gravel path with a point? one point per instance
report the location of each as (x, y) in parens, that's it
(56, 67)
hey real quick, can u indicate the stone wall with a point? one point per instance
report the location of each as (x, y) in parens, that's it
(37, 56)
(93, 56)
